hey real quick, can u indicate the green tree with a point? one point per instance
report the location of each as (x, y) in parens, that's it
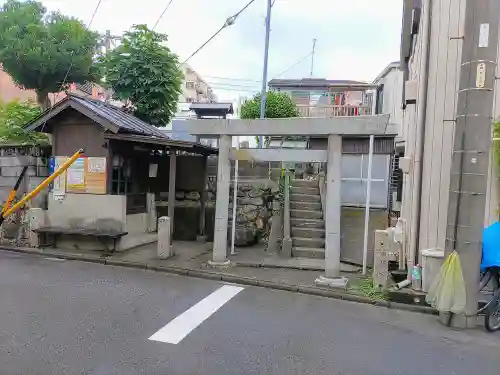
(13, 116)
(38, 48)
(144, 72)
(278, 105)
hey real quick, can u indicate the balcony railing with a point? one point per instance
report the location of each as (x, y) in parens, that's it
(325, 110)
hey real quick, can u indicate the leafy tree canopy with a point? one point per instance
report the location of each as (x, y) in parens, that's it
(278, 105)
(143, 71)
(13, 116)
(38, 48)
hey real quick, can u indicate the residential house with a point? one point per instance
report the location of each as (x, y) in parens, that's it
(390, 97)
(10, 91)
(319, 97)
(425, 204)
(390, 101)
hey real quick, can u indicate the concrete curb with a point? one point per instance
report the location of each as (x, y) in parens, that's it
(218, 276)
(285, 267)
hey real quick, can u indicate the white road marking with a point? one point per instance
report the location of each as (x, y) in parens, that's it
(182, 325)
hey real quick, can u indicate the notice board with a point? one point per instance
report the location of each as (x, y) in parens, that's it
(87, 175)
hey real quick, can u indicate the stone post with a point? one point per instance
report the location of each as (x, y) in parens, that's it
(164, 249)
(332, 216)
(222, 203)
(36, 220)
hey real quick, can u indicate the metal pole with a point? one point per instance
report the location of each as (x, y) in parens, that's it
(264, 70)
(235, 199)
(471, 149)
(367, 204)
(312, 58)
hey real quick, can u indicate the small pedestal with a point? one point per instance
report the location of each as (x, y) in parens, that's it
(164, 249)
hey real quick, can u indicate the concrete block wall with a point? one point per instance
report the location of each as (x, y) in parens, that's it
(97, 212)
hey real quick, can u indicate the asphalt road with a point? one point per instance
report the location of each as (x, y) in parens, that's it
(69, 317)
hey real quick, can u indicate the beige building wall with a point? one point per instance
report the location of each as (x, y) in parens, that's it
(194, 87)
(447, 24)
(392, 95)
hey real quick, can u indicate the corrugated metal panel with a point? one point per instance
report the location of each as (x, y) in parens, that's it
(362, 146)
(118, 117)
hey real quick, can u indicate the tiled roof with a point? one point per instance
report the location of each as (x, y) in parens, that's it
(124, 121)
(117, 116)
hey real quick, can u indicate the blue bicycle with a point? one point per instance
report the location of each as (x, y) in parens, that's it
(490, 277)
(490, 284)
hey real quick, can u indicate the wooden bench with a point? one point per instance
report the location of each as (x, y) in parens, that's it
(100, 234)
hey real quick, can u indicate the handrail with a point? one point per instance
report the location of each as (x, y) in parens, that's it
(322, 190)
(286, 207)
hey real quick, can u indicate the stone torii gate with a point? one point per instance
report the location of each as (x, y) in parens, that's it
(332, 128)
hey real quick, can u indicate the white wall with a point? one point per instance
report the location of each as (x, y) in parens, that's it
(392, 98)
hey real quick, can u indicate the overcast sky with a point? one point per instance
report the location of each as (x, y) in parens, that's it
(356, 39)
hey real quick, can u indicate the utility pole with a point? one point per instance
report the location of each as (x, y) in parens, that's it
(312, 58)
(107, 40)
(264, 70)
(471, 149)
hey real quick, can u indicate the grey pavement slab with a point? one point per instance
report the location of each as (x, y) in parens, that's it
(71, 317)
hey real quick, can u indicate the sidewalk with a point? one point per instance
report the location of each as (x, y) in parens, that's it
(250, 266)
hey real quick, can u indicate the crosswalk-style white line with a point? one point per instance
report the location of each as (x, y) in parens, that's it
(182, 325)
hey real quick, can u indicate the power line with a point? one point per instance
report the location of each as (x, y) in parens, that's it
(232, 79)
(293, 66)
(162, 14)
(229, 21)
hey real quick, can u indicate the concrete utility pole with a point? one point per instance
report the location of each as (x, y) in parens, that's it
(264, 70)
(472, 142)
(108, 40)
(312, 58)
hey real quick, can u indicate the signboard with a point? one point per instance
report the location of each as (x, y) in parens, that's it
(95, 175)
(75, 180)
(87, 175)
(59, 184)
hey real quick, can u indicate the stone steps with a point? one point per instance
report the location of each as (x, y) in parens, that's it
(305, 183)
(308, 242)
(305, 198)
(307, 223)
(308, 232)
(308, 226)
(305, 252)
(306, 206)
(305, 190)
(306, 214)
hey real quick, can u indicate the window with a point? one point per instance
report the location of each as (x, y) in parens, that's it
(190, 85)
(121, 176)
(354, 172)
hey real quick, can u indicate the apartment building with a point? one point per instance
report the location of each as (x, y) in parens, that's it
(195, 88)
